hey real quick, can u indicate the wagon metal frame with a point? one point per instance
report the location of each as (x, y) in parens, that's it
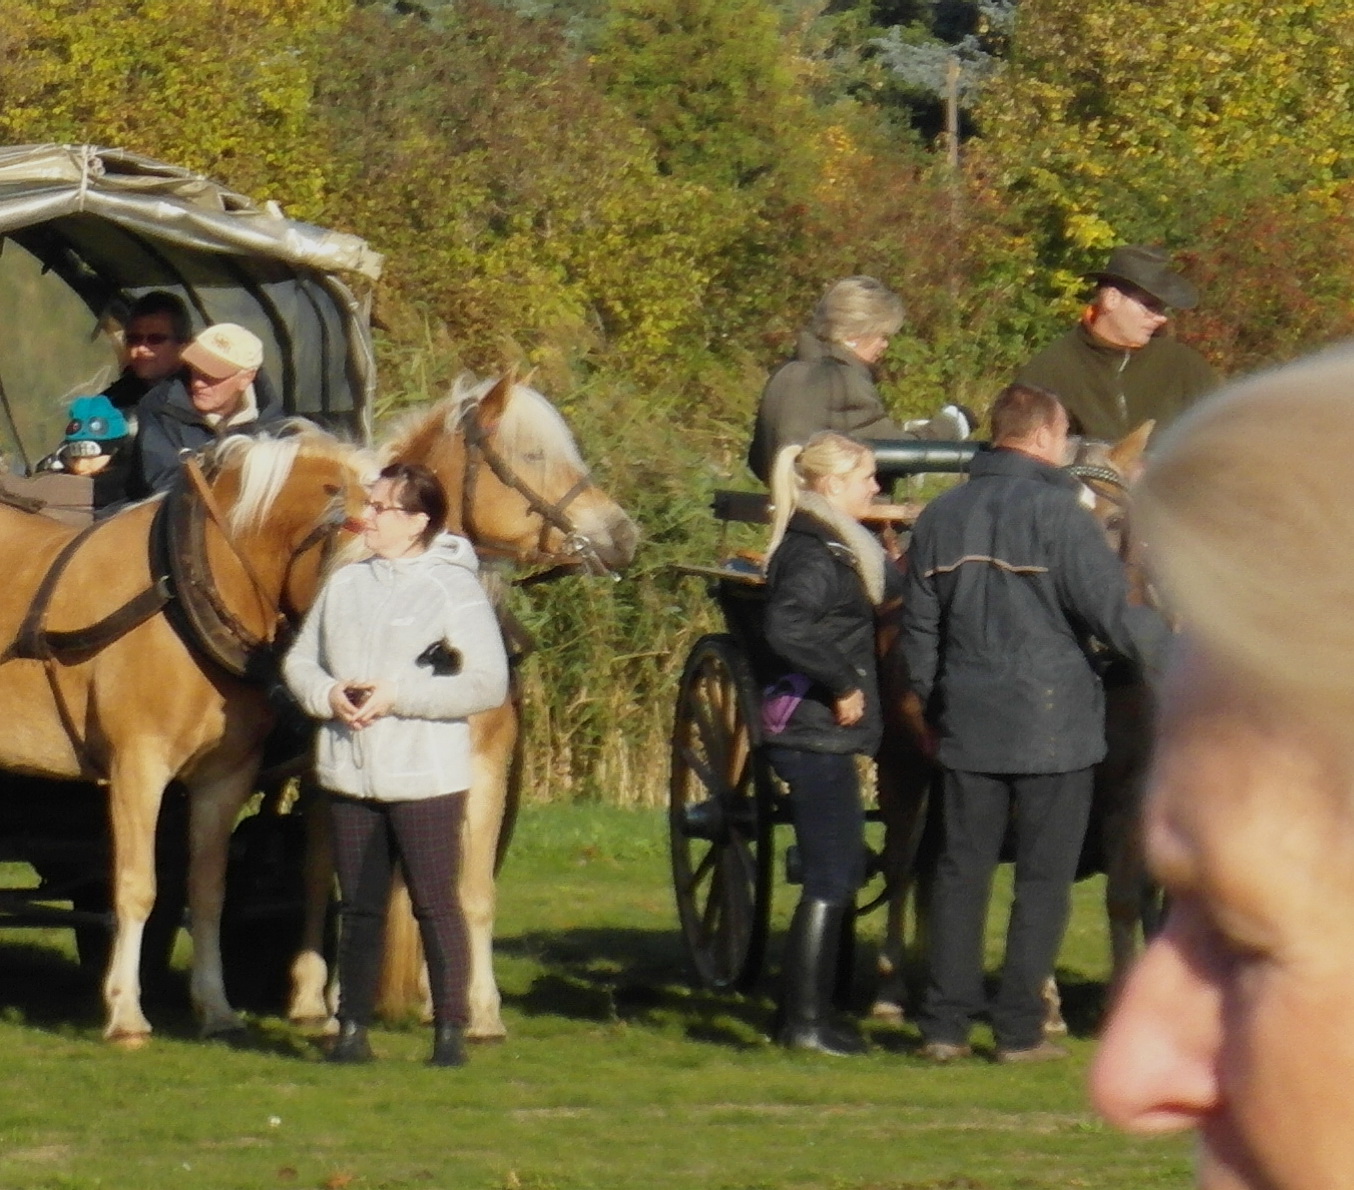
(724, 802)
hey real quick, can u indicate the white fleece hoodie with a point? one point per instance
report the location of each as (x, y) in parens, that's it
(371, 621)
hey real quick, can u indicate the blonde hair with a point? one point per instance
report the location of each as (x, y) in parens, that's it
(798, 469)
(1247, 512)
(857, 308)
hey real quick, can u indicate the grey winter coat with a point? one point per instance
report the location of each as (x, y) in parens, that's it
(372, 621)
(1008, 576)
(825, 387)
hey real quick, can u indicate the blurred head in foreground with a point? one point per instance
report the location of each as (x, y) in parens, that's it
(1239, 1019)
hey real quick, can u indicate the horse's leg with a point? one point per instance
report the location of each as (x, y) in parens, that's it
(309, 973)
(214, 805)
(136, 787)
(494, 736)
(403, 987)
(902, 801)
(1128, 732)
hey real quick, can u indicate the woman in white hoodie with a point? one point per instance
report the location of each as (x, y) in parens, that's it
(394, 745)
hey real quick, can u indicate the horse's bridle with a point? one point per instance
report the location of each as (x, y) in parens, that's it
(579, 549)
(1091, 473)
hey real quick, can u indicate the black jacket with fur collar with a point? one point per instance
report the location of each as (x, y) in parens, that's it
(820, 623)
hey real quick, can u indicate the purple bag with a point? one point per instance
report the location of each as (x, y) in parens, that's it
(779, 701)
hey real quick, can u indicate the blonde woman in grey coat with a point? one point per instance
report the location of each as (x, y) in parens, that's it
(397, 652)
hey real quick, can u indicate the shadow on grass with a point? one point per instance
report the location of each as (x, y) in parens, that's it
(639, 977)
(642, 977)
(44, 989)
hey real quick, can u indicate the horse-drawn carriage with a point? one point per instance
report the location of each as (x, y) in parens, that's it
(724, 801)
(83, 233)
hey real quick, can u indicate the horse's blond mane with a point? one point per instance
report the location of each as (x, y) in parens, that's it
(266, 461)
(531, 430)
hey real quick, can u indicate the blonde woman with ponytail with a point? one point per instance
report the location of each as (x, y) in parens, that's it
(825, 574)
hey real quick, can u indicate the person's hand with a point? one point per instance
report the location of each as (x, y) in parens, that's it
(378, 701)
(849, 709)
(345, 699)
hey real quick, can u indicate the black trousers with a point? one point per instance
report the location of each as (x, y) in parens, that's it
(424, 837)
(829, 820)
(1051, 812)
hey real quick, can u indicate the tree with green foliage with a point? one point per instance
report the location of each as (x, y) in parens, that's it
(1166, 123)
(220, 86)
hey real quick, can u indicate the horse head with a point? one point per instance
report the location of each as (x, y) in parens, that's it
(289, 506)
(514, 478)
(1107, 470)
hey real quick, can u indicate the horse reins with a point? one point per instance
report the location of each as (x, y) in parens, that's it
(578, 547)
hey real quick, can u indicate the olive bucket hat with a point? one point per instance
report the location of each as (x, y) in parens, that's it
(1150, 270)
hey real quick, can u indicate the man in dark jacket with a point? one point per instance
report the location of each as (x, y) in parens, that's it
(1007, 576)
(219, 397)
(1117, 368)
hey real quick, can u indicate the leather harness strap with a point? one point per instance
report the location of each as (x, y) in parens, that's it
(36, 642)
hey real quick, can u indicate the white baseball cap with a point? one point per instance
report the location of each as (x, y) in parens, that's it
(224, 349)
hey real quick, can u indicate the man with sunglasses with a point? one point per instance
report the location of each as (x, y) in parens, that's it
(1117, 368)
(158, 328)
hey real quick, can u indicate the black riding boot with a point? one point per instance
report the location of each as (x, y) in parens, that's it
(352, 1045)
(448, 1046)
(843, 980)
(808, 979)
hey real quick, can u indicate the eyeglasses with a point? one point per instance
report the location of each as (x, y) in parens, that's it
(152, 339)
(378, 508)
(1152, 305)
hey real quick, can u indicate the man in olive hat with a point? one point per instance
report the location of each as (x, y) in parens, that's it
(1117, 368)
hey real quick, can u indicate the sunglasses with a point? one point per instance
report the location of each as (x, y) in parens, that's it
(153, 339)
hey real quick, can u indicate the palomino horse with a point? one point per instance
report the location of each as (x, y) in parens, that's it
(519, 490)
(905, 772)
(107, 672)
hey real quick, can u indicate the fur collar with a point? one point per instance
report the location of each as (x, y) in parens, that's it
(865, 552)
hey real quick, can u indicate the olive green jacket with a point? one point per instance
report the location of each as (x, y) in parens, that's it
(1110, 391)
(825, 387)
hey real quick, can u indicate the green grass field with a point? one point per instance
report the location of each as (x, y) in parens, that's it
(615, 1074)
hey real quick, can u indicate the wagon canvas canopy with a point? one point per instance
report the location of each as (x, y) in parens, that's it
(84, 231)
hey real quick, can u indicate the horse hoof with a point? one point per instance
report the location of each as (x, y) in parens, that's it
(887, 1012)
(129, 1042)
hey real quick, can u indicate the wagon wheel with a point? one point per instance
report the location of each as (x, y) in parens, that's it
(720, 816)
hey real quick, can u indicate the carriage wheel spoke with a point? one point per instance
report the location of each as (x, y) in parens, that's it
(701, 870)
(712, 734)
(703, 773)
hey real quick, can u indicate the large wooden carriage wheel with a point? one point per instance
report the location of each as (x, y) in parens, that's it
(720, 816)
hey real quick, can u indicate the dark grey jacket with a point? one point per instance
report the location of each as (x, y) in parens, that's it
(820, 623)
(1008, 576)
(825, 387)
(168, 427)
